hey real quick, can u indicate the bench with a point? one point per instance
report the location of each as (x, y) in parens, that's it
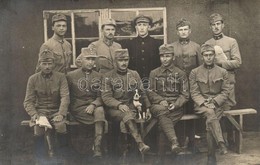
(229, 114)
(238, 124)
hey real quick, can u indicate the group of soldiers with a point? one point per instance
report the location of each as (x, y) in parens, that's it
(169, 80)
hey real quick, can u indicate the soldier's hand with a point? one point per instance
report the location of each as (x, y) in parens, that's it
(123, 108)
(148, 114)
(210, 105)
(90, 109)
(164, 103)
(35, 117)
(57, 118)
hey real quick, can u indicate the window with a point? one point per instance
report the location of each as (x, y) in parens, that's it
(83, 25)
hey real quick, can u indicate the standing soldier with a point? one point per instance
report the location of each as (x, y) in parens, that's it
(60, 47)
(105, 47)
(86, 105)
(230, 60)
(143, 49)
(209, 87)
(187, 57)
(47, 95)
(169, 92)
(118, 89)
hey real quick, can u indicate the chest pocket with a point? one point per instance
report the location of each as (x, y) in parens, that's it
(217, 84)
(118, 89)
(58, 57)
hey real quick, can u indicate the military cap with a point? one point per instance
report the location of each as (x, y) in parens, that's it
(121, 54)
(142, 18)
(166, 49)
(183, 22)
(206, 47)
(88, 52)
(46, 55)
(58, 17)
(109, 21)
(215, 17)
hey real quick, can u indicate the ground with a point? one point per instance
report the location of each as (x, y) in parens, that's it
(250, 156)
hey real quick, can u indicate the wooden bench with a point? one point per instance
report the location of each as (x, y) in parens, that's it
(238, 124)
(229, 114)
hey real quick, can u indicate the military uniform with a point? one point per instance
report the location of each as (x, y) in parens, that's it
(144, 53)
(48, 95)
(118, 88)
(230, 48)
(170, 84)
(85, 87)
(210, 83)
(105, 49)
(61, 49)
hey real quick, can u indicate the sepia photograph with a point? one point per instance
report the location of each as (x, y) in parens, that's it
(130, 82)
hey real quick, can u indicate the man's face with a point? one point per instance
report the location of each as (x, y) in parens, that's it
(208, 57)
(184, 31)
(46, 66)
(60, 28)
(122, 64)
(142, 28)
(167, 59)
(109, 31)
(88, 62)
(217, 27)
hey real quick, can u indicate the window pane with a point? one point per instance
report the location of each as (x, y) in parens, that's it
(86, 24)
(123, 21)
(157, 25)
(49, 24)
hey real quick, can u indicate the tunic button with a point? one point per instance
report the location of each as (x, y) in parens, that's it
(142, 58)
(142, 43)
(142, 51)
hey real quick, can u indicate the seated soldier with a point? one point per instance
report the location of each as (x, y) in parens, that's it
(118, 89)
(86, 104)
(209, 87)
(47, 95)
(168, 93)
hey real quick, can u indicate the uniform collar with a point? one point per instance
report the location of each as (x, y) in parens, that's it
(108, 42)
(184, 41)
(170, 68)
(46, 76)
(144, 38)
(209, 66)
(120, 72)
(86, 71)
(218, 37)
(57, 38)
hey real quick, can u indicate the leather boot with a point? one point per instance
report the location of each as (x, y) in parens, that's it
(175, 147)
(211, 149)
(223, 148)
(50, 144)
(134, 132)
(98, 139)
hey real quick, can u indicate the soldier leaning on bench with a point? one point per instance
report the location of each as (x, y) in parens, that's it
(209, 88)
(86, 104)
(47, 94)
(169, 91)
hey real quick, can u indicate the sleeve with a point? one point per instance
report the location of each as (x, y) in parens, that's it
(107, 93)
(152, 95)
(235, 57)
(199, 57)
(223, 95)
(184, 95)
(30, 98)
(64, 94)
(43, 47)
(194, 89)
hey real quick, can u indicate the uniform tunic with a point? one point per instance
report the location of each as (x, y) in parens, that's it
(144, 54)
(231, 50)
(187, 55)
(47, 95)
(170, 84)
(62, 54)
(208, 83)
(85, 90)
(119, 88)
